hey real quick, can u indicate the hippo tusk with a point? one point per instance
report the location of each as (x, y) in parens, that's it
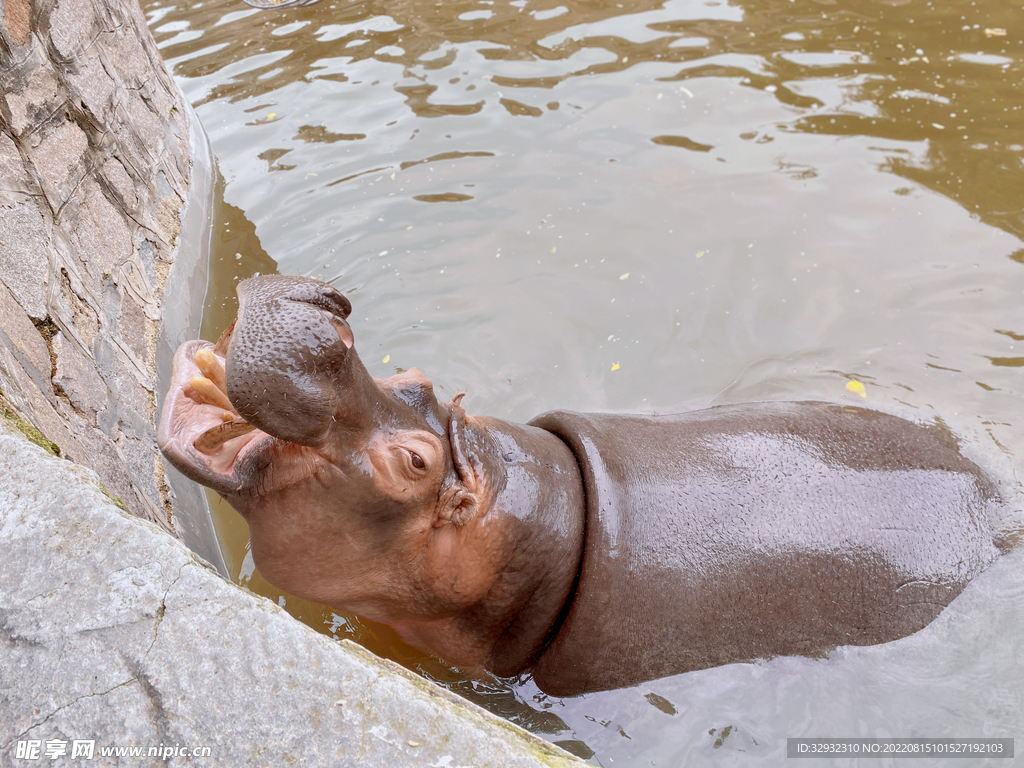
(208, 391)
(211, 368)
(215, 437)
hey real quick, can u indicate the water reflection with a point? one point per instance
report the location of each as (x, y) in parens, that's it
(938, 74)
(655, 205)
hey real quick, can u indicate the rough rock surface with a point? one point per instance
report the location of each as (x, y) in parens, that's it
(112, 631)
(97, 165)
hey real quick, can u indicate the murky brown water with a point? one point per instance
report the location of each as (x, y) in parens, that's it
(655, 205)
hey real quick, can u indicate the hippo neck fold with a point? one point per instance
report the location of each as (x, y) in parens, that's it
(537, 516)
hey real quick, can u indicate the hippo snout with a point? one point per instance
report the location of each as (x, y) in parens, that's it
(288, 356)
(259, 291)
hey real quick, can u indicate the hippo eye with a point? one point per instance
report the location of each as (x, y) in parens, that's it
(416, 460)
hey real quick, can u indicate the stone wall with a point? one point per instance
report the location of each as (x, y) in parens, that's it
(99, 160)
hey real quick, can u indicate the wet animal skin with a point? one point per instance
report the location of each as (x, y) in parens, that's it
(597, 550)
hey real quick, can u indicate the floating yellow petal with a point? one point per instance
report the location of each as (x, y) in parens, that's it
(615, 366)
(857, 388)
(386, 358)
(271, 115)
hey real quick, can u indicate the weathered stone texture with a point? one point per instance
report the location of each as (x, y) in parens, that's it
(21, 337)
(22, 263)
(94, 174)
(111, 630)
(76, 377)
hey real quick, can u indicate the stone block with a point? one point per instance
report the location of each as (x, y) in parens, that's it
(99, 233)
(128, 58)
(146, 124)
(32, 98)
(93, 87)
(117, 177)
(72, 26)
(59, 159)
(128, 381)
(140, 456)
(22, 336)
(76, 376)
(24, 255)
(12, 172)
(113, 631)
(36, 405)
(166, 210)
(76, 313)
(16, 21)
(132, 322)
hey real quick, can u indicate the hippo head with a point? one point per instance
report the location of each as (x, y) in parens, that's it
(368, 495)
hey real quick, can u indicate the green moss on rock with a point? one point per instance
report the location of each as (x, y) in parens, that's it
(115, 499)
(9, 415)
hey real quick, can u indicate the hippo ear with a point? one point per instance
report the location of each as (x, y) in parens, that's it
(459, 508)
(462, 501)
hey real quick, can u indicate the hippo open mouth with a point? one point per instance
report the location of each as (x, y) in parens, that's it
(280, 385)
(209, 441)
(203, 432)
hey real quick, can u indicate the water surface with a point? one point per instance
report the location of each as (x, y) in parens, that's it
(656, 206)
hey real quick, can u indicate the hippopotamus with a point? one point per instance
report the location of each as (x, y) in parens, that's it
(596, 550)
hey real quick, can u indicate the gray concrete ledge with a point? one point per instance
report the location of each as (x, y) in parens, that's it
(111, 630)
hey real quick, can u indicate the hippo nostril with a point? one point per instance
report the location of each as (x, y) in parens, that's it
(344, 332)
(329, 300)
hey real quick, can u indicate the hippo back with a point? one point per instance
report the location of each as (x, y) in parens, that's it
(756, 530)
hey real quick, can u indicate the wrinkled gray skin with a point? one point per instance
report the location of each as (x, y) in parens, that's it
(597, 550)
